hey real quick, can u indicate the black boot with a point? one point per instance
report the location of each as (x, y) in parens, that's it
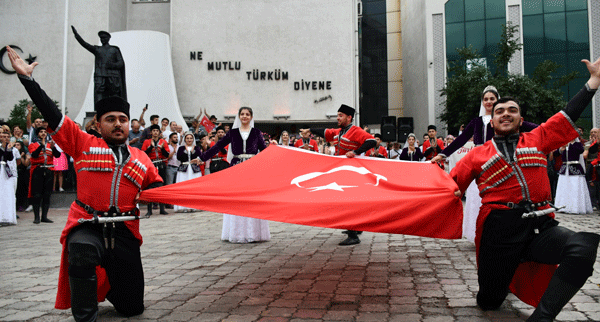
(557, 295)
(149, 213)
(36, 213)
(84, 298)
(575, 268)
(162, 209)
(351, 240)
(45, 208)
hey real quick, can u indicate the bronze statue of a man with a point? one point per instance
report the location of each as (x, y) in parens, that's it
(109, 71)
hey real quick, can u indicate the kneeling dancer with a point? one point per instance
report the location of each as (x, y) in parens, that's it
(99, 260)
(516, 230)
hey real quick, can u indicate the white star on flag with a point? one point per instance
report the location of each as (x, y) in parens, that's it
(331, 186)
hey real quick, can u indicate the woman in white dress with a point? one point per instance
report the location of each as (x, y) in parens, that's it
(571, 190)
(8, 180)
(189, 156)
(244, 142)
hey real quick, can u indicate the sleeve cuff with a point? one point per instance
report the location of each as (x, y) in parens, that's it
(587, 87)
(29, 78)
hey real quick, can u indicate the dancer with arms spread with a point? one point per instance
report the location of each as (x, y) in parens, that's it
(516, 231)
(480, 129)
(98, 260)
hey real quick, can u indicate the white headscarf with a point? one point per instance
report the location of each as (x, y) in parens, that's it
(281, 138)
(185, 134)
(236, 124)
(406, 142)
(487, 89)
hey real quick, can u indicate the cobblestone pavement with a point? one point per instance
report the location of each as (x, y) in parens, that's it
(300, 275)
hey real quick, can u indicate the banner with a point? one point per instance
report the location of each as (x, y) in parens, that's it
(300, 187)
(208, 125)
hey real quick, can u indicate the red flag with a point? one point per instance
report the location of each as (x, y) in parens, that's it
(208, 125)
(300, 187)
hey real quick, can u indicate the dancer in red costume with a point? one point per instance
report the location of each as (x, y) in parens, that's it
(349, 140)
(98, 260)
(516, 232)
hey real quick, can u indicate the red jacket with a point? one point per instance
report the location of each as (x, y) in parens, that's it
(350, 141)
(314, 146)
(44, 158)
(155, 153)
(100, 188)
(498, 181)
(381, 150)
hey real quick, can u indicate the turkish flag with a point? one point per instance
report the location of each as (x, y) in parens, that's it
(208, 125)
(307, 188)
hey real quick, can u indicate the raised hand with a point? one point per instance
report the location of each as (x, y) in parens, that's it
(20, 66)
(594, 69)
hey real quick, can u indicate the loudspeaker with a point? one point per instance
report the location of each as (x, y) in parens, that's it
(388, 129)
(405, 127)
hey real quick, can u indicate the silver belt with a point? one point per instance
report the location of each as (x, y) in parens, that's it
(45, 165)
(244, 156)
(571, 162)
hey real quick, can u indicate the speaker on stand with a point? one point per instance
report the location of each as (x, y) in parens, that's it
(405, 127)
(388, 129)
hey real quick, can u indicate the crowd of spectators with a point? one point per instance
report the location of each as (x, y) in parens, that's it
(429, 146)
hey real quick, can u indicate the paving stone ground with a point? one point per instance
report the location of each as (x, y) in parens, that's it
(301, 275)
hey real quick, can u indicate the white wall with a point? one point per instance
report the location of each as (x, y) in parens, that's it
(311, 40)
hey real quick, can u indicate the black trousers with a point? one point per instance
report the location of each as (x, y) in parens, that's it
(123, 264)
(41, 185)
(507, 240)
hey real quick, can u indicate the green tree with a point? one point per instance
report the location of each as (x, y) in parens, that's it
(18, 115)
(540, 93)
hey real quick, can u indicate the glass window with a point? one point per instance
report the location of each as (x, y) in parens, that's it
(375, 21)
(494, 32)
(495, 9)
(561, 59)
(574, 63)
(474, 10)
(554, 6)
(577, 30)
(533, 34)
(475, 33)
(532, 7)
(531, 62)
(455, 37)
(455, 11)
(555, 32)
(373, 8)
(576, 5)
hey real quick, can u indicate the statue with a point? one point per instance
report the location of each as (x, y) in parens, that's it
(109, 68)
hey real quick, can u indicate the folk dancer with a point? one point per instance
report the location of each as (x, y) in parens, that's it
(516, 231)
(98, 260)
(40, 176)
(349, 140)
(158, 150)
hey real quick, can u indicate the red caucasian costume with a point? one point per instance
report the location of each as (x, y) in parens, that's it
(381, 150)
(109, 177)
(100, 185)
(505, 185)
(42, 160)
(313, 144)
(351, 140)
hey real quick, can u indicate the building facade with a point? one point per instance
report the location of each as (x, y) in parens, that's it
(562, 31)
(294, 62)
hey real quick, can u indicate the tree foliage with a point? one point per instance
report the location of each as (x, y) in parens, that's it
(540, 94)
(18, 115)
